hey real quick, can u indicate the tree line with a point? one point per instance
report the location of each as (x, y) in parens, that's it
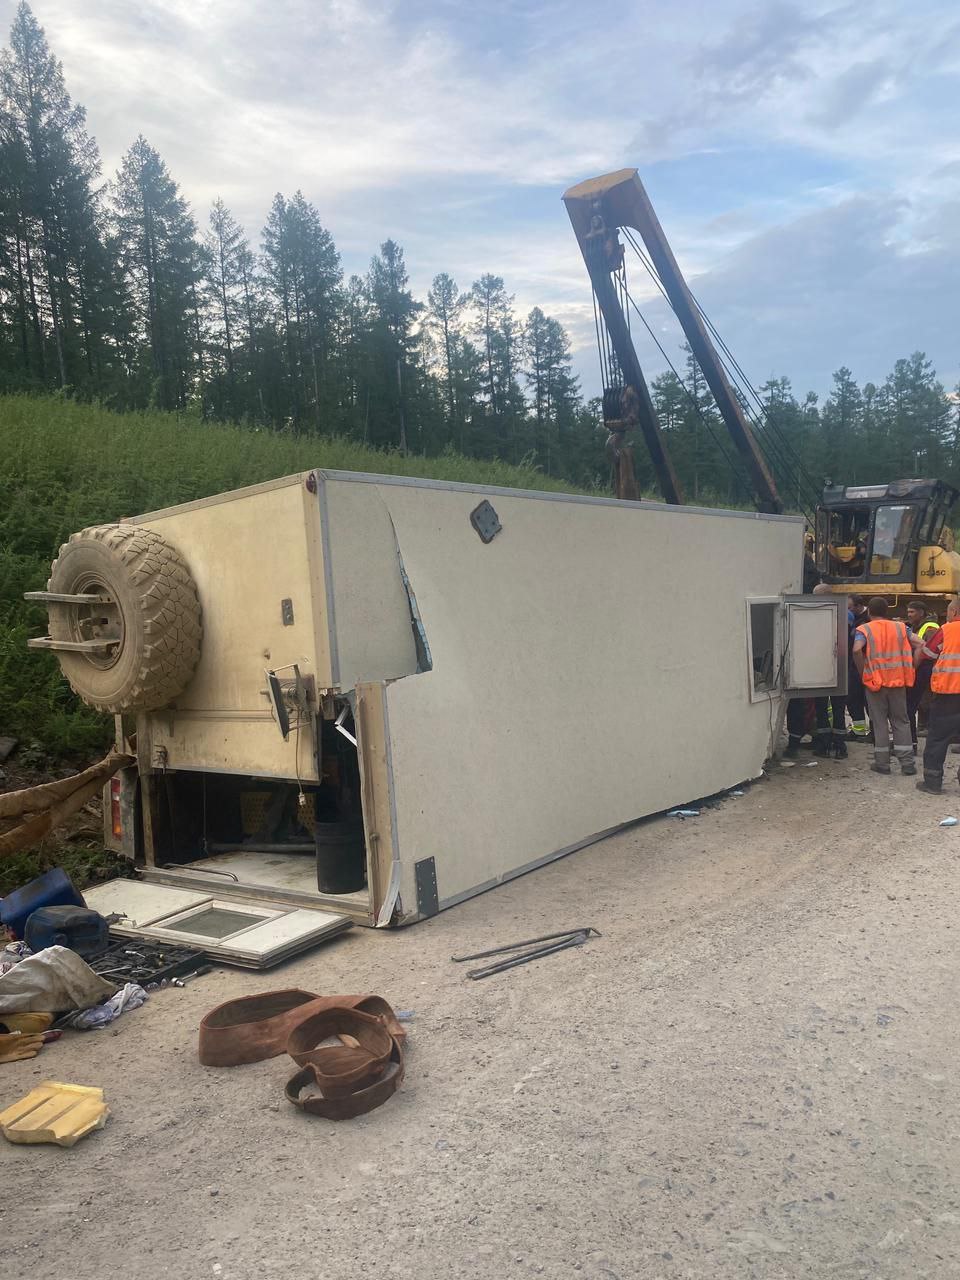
(111, 291)
(907, 426)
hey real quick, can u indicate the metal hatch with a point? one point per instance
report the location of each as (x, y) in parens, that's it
(814, 640)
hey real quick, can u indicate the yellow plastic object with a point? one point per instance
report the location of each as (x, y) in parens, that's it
(844, 554)
(55, 1112)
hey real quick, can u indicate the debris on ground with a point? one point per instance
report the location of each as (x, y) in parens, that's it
(536, 948)
(949, 822)
(52, 981)
(683, 813)
(55, 1112)
(130, 996)
(337, 1081)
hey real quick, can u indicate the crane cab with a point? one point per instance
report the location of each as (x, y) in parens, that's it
(888, 539)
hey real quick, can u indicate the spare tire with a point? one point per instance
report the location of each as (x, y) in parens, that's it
(148, 619)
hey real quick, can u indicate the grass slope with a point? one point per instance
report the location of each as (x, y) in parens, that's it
(69, 465)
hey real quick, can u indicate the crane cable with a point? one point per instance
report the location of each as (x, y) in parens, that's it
(735, 474)
(771, 441)
(770, 438)
(612, 375)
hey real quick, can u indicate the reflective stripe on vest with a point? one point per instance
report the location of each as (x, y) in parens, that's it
(945, 677)
(888, 656)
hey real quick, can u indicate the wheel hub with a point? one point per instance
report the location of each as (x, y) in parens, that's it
(100, 620)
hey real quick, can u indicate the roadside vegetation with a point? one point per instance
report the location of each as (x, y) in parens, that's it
(69, 465)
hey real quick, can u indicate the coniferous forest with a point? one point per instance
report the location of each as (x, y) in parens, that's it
(112, 289)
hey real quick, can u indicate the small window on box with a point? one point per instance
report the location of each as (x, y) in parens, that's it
(763, 627)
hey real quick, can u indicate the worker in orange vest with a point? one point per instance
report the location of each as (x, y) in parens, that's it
(943, 724)
(883, 654)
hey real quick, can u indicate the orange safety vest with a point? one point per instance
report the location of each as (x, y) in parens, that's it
(945, 677)
(888, 656)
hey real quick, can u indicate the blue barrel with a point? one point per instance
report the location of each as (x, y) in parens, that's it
(53, 889)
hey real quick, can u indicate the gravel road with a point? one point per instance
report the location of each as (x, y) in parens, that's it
(752, 1073)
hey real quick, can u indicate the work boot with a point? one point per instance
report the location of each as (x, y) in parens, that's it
(908, 766)
(880, 766)
(932, 783)
(792, 750)
(839, 749)
(821, 745)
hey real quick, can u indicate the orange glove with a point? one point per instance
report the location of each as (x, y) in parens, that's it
(16, 1046)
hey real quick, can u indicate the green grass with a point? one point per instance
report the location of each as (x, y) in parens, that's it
(84, 864)
(70, 465)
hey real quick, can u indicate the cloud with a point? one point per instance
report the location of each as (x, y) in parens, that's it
(839, 286)
(773, 134)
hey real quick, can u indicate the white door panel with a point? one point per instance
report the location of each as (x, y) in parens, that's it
(815, 645)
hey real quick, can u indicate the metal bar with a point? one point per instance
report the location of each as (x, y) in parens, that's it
(587, 930)
(574, 940)
(64, 597)
(71, 646)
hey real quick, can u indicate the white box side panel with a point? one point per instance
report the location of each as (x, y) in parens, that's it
(590, 667)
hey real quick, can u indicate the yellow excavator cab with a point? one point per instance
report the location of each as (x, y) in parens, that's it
(888, 539)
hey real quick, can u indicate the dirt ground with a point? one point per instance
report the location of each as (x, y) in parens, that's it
(752, 1073)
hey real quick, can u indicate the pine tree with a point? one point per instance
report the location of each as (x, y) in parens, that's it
(394, 375)
(227, 262)
(499, 336)
(54, 275)
(160, 260)
(444, 325)
(841, 447)
(316, 283)
(553, 388)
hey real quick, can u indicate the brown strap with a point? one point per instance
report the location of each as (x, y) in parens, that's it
(353, 1104)
(253, 1028)
(340, 1069)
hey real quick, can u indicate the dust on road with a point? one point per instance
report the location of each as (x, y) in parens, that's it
(752, 1073)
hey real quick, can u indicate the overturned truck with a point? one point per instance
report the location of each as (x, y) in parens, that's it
(379, 696)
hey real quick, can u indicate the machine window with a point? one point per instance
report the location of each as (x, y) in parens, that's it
(763, 628)
(891, 539)
(845, 534)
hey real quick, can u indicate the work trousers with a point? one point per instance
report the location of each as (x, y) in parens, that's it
(915, 694)
(943, 728)
(827, 709)
(796, 719)
(855, 700)
(888, 715)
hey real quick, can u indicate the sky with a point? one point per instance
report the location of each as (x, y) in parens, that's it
(803, 158)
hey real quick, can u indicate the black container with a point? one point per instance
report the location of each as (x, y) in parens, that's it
(340, 861)
(78, 928)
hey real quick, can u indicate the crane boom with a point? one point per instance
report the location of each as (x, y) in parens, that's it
(598, 208)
